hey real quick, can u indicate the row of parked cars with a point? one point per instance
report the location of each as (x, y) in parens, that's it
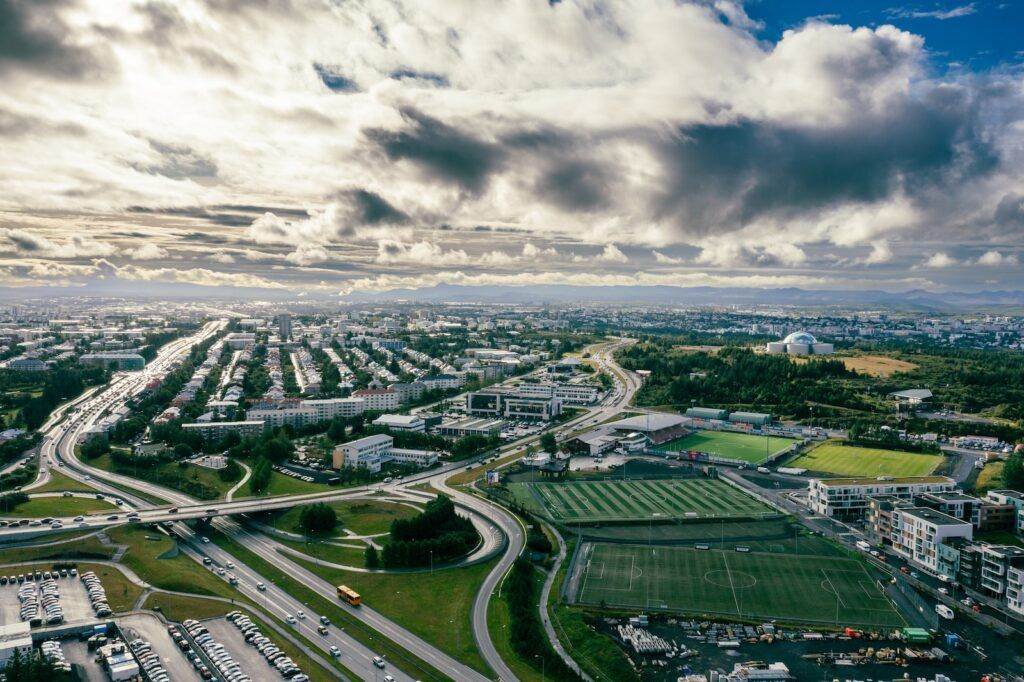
(38, 576)
(40, 603)
(227, 668)
(149, 660)
(275, 657)
(55, 655)
(97, 595)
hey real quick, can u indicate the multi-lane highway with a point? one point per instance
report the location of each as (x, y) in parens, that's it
(498, 527)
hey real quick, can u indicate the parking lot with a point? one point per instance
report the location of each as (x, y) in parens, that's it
(73, 598)
(151, 629)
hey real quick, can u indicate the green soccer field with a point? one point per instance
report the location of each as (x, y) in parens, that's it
(848, 460)
(729, 584)
(731, 445)
(615, 500)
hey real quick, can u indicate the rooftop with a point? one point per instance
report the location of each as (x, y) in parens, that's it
(885, 480)
(648, 422)
(933, 516)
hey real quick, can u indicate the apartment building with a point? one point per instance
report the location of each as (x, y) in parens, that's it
(378, 399)
(443, 382)
(1001, 567)
(302, 412)
(216, 430)
(917, 533)
(1011, 497)
(847, 498)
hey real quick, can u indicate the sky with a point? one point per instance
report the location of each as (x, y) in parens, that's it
(338, 146)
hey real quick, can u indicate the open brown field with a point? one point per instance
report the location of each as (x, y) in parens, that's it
(877, 365)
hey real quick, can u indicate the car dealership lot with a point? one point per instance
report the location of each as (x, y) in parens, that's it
(74, 600)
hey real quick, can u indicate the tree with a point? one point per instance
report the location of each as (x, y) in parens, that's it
(260, 478)
(183, 451)
(1013, 472)
(95, 446)
(230, 473)
(336, 431)
(31, 667)
(372, 557)
(548, 443)
(318, 519)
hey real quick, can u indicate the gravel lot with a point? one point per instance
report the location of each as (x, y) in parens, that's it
(151, 629)
(73, 598)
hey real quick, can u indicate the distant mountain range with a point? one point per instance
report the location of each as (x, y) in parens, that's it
(683, 296)
(559, 294)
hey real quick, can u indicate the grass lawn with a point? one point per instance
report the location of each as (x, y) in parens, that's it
(1000, 537)
(154, 557)
(639, 500)
(831, 457)
(39, 507)
(362, 517)
(877, 365)
(325, 551)
(730, 445)
(328, 605)
(499, 625)
(443, 599)
(284, 485)
(804, 589)
(989, 478)
(86, 548)
(197, 481)
(59, 483)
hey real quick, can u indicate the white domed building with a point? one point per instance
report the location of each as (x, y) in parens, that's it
(800, 343)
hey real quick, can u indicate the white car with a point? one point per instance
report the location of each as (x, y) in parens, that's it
(335, 651)
(291, 619)
(300, 614)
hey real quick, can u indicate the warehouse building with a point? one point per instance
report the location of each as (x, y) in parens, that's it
(707, 413)
(471, 427)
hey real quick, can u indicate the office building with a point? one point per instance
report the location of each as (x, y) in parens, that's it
(512, 405)
(471, 427)
(401, 422)
(372, 452)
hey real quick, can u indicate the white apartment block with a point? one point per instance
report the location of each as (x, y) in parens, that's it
(306, 411)
(421, 458)
(1015, 588)
(443, 382)
(847, 498)
(378, 399)
(217, 430)
(917, 533)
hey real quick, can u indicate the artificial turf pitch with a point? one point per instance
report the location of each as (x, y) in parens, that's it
(730, 445)
(849, 460)
(728, 584)
(642, 500)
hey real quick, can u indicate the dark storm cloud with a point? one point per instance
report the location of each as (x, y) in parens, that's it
(441, 151)
(33, 36)
(414, 75)
(178, 162)
(228, 215)
(1009, 214)
(370, 208)
(575, 185)
(727, 176)
(333, 79)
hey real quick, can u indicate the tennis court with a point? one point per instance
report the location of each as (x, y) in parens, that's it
(628, 500)
(806, 589)
(730, 445)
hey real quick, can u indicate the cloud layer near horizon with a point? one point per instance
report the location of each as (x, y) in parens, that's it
(312, 144)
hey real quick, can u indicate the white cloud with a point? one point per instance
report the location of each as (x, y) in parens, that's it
(995, 259)
(148, 251)
(390, 251)
(665, 260)
(222, 257)
(75, 246)
(308, 254)
(612, 254)
(939, 260)
(881, 252)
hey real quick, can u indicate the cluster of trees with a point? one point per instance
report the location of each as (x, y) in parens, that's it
(262, 470)
(12, 450)
(438, 533)
(33, 667)
(154, 468)
(869, 436)
(318, 519)
(95, 447)
(1013, 472)
(11, 500)
(526, 632)
(471, 446)
(738, 376)
(58, 385)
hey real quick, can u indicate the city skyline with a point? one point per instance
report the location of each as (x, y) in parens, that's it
(311, 147)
